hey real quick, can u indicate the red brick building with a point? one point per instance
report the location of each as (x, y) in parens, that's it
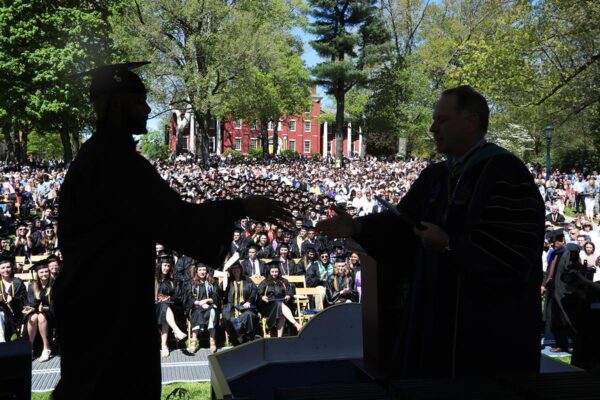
(302, 133)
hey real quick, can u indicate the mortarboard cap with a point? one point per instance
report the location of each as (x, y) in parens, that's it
(42, 264)
(557, 234)
(115, 78)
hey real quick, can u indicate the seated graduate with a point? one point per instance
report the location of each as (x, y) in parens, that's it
(317, 274)
(340, 286)
(202, 304)
(286, 264)
(13, 297)
(264, 247)
(54, 266)
(253, 266)
(166, 294)
(356, 272)
(239, 305)
(276, 300)
(38, 311)
(309, 257)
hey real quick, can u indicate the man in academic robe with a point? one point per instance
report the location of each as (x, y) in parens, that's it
(555, 217)
(475, 227)
(254, 266)
(559, 296)
(98, 357)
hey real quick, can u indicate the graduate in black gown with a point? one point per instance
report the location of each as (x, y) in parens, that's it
(277, 300)
(13, 297)
(239, 296)
(287, 265)
(202, 305)
(167, 296)
(148, 211)
(474, 269)
(340, 286)
(39, 313)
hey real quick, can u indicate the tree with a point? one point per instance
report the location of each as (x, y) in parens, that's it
(37, 57)
(198, 49)
(153, 146)
(343, 30)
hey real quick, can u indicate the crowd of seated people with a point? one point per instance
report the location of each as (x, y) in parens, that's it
(257, 287)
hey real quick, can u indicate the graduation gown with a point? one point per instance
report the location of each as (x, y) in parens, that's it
(199, 316)
(115, 206)
(334, 289)
(12, 311)
(241, 324)
(276, 292)
(465, 308)
(166, 288)
(289, 267)
(46, 300)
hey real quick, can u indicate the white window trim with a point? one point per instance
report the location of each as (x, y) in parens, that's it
(270, 126)
(235, 144)
(292, 145)
(309, 146)
(253, 143)
(290, 125)
(238, 121)
(309, 125)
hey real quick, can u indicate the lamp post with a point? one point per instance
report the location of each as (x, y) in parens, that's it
(549, 131)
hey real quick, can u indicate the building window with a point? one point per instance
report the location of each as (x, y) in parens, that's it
(279, 126)
(211, 145)
(238, 143)
(253, 125)
(292, 145)
(253, 143)
(307, 126)
(270, 126)
(307, 146)
(292, 125)
(238, 124)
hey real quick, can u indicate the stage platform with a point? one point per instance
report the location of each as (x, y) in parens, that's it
(180, 366)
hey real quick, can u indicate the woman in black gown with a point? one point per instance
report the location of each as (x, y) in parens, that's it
(165, 295)
(201, 302)
(13, 296)
(276, 299)
(340, 287)
(239, 305)
(38, 311)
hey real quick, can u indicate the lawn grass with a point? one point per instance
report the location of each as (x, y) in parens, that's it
(194, 391)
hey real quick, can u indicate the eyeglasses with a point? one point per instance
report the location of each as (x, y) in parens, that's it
(324, 256)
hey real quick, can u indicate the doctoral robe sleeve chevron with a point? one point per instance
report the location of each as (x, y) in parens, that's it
(505, 237)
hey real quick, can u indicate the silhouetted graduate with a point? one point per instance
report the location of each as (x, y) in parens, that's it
(114, 208)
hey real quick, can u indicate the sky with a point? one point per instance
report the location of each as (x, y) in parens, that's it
(309, 56)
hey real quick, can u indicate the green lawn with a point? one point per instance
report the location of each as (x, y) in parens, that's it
(195, 391)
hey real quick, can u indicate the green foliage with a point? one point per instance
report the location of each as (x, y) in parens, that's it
(255, 153)
(232, 153)
(153, 146)
(193, 390)
(45, 147)
(346, 32)
(37, 57)
(290, 153)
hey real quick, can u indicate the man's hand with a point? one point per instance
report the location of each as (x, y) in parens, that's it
(265, 299)
(246, 305)
(432, 237)
(267, 210)
(340, 225)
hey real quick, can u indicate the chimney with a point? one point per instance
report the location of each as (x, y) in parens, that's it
(314, 89)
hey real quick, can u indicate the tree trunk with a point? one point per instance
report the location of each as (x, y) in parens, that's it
(275, 139)
(66, 142)
(339, 125)
(202, 123)
(75, 142)
(264, 135)
(10, 144)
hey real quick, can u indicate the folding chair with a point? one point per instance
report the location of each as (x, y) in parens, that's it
(302, 303)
